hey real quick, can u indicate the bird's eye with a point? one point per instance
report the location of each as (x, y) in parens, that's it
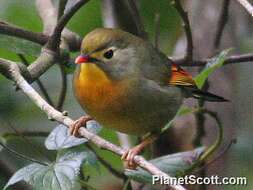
(108, 54)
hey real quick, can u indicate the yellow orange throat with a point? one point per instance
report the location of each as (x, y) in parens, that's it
(95, 91)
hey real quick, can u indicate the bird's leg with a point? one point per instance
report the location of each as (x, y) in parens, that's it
(128, 156)
(73, 129)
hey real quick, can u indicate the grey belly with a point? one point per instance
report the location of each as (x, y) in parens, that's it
(150, 108)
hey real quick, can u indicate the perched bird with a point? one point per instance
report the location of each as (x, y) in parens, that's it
(126, 84)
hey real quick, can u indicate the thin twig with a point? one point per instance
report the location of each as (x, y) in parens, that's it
(137, 18)
(247, 6)
(63, 92)
(38, 81)
(213, 147)
(19, 134)
(219, 139)
(21, 155)
(13, 69)
(233, 141)
(11, 30)
(223, 18)
(49, 15)
(200, 131)
(187, 28)
(74, 41)
(44, 92)
(200, 134)
(233, 59)
(54, 41)
(28, 134)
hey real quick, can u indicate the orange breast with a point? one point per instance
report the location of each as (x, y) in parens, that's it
(96, 93)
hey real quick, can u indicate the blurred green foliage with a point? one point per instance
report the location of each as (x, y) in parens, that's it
(170, 29)
(15, 106)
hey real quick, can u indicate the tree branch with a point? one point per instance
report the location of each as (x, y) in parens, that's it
(233, 59)
(46, 59)
(187, 28)
(47, 14)
(223, 18)
(63, 91)
(11, 30)
(49, 17)
(38, 81)
(61, 8)
(247, 6)
(50, 53)
(54, 41)
(137, 19)
(14, 73)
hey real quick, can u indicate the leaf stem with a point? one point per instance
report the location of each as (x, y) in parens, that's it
(21, 155)
(219, 138)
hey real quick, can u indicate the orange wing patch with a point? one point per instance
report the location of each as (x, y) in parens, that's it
(180, 77)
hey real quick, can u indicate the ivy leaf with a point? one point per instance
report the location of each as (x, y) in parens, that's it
(210, 67)
(19, 46)
(61, 175)
(90, 158)
(60, 138)
(174, 165)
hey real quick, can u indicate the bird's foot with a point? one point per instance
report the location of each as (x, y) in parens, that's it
(128, 157)
(73, 129)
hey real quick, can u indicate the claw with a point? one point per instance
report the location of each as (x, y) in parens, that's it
(73, 129)
(129, 155)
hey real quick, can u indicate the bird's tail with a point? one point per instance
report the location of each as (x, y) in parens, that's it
(207, 96)
(184, 80)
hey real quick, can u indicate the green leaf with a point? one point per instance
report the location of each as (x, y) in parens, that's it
(59, 138)
(19, 46)
(89, 160)
(184, 110)
(32, 147)
(210, 67)
(174, 165)
(61, 175)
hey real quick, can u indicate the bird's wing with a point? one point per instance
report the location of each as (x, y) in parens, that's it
(184, 80)
(180, 77)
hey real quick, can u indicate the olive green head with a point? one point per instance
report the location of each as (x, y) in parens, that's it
(119, 54)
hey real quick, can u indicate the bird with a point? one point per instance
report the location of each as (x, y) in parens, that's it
(124, 83)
